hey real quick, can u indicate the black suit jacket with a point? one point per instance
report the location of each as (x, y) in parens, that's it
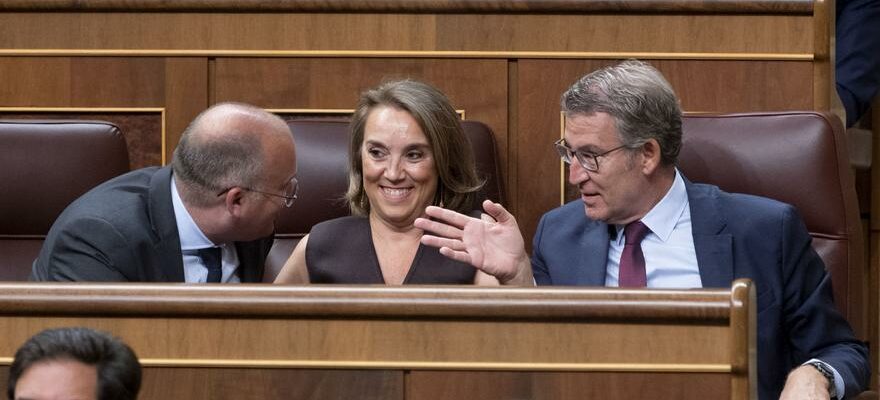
(124, 230)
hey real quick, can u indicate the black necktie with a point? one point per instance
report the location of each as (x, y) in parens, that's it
(211, 258)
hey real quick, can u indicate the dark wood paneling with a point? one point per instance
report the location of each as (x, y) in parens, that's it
(430, 385)
(108, 81)
(82, 81)
(499, 6)
(262, 384)
(93, 82)
(186, 95)
(268, 384)
(38, 81)
(256, 342)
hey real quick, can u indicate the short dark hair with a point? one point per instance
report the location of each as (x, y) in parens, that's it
(640, 100)
(458, 183)
(119, 372)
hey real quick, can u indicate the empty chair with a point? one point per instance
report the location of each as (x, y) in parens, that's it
(798, 158)
(45, 166)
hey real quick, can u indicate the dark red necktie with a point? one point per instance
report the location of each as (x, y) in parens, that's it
(632, 260)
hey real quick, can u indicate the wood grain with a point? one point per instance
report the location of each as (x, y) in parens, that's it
(626, 32)
(426, 385)
(186, 95)
(495, 6)
(370, 339)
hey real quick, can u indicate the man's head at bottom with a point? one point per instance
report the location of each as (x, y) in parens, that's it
(74, 364)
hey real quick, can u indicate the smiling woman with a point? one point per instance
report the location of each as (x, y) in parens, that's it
(407, 152)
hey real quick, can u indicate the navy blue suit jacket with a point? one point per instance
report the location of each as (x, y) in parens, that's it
(735, 236)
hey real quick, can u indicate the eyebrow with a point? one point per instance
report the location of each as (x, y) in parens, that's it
(588, 149)
(419, 146)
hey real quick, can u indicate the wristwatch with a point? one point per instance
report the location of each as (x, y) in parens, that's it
(828, 374)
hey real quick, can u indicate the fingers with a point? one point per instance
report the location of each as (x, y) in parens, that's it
(438, 228)
(459, 256)
(498, 212)
(436, 241)
(448, 216)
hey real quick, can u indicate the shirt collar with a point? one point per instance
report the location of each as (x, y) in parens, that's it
(663, 217)
(191, 237)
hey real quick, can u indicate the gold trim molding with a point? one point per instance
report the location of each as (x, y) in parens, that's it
(407, 54)
(428, 365)
(330, 111)
(110, 110)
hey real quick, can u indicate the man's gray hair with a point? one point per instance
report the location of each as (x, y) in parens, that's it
(640, 100)
(208, 164)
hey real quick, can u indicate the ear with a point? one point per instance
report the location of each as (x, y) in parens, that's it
(651, 157)
(234, 200)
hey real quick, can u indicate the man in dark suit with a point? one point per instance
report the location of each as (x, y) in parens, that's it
(641, 223)
(209, 217)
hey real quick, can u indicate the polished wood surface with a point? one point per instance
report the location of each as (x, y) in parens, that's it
(672, 35)
(365, 300)
(516, 6)
(566, 385)
(379, 337)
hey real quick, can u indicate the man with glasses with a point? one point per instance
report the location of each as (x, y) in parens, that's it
(209, 217)
(640, 223)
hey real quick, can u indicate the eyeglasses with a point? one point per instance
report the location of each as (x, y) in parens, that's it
(589, 161)
(289, 194)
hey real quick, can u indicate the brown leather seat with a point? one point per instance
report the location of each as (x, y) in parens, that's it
(322, 169)
(799, 158)
(45, 166)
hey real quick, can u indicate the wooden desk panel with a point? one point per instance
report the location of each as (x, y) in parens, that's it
(387, 341)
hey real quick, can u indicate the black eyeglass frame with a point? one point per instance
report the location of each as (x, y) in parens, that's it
(288, 199)
(567, 153)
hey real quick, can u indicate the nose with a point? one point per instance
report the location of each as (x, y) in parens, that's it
(393, 169)
(577, 173)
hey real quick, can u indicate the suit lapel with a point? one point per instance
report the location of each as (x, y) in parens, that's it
(593, 258)
(248, 251)
(713, 246)
(167, 244)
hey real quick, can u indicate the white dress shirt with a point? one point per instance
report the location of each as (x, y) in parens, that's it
(670, 258)
(192, 239)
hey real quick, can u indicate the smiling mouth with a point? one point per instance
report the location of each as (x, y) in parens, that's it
(395, 193)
